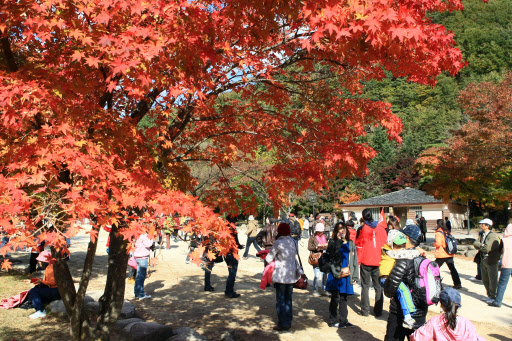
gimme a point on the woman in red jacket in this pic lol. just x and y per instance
(46, 290)
(442, 256)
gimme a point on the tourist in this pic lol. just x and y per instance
(295, 229)
(141, 254)
(423, 228)
(317, 244)
(448, 224)
(370, 239)
(45, 290)
(506, 266)
(342, 255)
(448, 326)
(393, 223)
(442, 256)
(252, 231)
(305, 227)
(267, 236)
(232, 263)
(286, 273)
(489, 247)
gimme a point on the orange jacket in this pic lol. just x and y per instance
(440, 244)
(49, 278)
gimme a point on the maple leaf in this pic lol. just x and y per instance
(6, 265)
(77, 56)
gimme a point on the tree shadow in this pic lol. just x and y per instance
(500, 337)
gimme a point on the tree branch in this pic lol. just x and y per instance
(9, 56)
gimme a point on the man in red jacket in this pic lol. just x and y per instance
(369, 241)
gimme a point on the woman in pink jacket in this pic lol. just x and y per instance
(448, 326)
(141, 254)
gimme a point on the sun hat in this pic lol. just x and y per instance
(412, 231)
(409, 222)
(400, 239)
(44, 257)
(449, 295)
(283, 229)
(319, 227)
(486, 221)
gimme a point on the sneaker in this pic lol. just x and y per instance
(232, 295)
(209, 289)
(494, 304)
(38, 314)
(362, 314)
(457, 287)
(474, 279)
(144, 297)
(335, 325)
(348, 325)
(487, 300)
(316, 294)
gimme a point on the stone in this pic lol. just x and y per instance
(146, 331)
(186, 334)
(471, 253)
(88, 299)
(122, 324)
(58, 309)
(128, 311)
(461, 252)
(231, 335)
(92, 308)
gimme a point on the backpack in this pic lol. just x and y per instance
(427, 280)
(451, 244)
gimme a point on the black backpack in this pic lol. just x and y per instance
(451, 244)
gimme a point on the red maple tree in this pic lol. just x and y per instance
(216, 79)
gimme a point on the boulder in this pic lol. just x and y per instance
(231, 335)
(88, 299)
(92, 308)
(186, 334)
(58, 309)
(146, 331)
(128, 310)
(122, 324)
(471, 253)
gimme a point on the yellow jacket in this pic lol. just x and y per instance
(386, 262)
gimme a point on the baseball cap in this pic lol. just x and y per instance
(400, 239)
(486, 221)
(449, 295)
(412, 231)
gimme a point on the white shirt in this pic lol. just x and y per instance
(287, 270)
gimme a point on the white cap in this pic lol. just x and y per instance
(251, 217)
(319, 227)
(486, 221)
(409, 222)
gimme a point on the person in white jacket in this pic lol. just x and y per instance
(141, 254)
(286, 273)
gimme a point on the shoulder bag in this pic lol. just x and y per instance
(302, 283)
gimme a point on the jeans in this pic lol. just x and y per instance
(338, 303)
(42, 296)
(489, 277)
(371, 273)
(142, 268)
(451, 267)
(478, 271)
(208, 274)
(232, 264)
(284, 304)
(251, 240)
(318, 277)
(502, 285)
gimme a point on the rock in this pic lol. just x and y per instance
(231, 335)
(128, 310)
(471, 253)
(92, 308)
(461, 252)
(58, 309)
(462, 247)
(121, 324)
(146, 331)
(88, 299)
(186, 334)
(466, 241)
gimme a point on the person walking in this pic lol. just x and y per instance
(370, 239)
(506, 266)
(442, 256)
(141, 254)
(286, 273)
(252, 231)
(489, 247)
(342, 255)
(448, 326)
(317, 243)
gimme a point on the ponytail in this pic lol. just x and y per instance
(450, 314)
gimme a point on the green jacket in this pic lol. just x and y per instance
(490, 248)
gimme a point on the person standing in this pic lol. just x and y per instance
(295, 229)
(311, 220)
(442, 256)
(286, 273)
(252, 231)
(317, 243)
(506, 266)
(370, 239)
(305, 229)
(141, 254)
(342, 254)
(448, 224)
(232, 262)
(489, 247)
(423, 228)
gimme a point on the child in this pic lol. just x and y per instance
(448, 326)
(392, 250)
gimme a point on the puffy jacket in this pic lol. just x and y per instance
(440, 244)
(403, 271)
(370, 240)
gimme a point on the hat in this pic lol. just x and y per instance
(486, 221)
(409, 222)
(292, 215)
(44, 256)
(400, 239)
(283, 229)
(449, 295)
(251, 217)
(412, 231)
(319, 227)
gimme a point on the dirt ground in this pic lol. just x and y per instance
(178, 300)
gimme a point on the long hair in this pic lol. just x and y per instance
(337, 228)
(393, 222)
(441, 224)
(450, 314)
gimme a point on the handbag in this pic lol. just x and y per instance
(314, 257)
(345, 272)
(132, 263)
(302, 283)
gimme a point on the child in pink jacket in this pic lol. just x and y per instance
(448, 326)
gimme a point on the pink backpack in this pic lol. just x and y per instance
(427, 280)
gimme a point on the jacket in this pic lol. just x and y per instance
(389, 257)
(252, 228)
(435, 329)
(295, 229)
(49, 278)
(142, 246)
(490, 248)
(370, 240)
(403, 271)
(335, 260)
(283, 252)
(267, 236)
(267, 276)
(440, 244)
(313, 243)
(506, 243)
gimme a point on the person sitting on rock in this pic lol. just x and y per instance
(45, 290)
